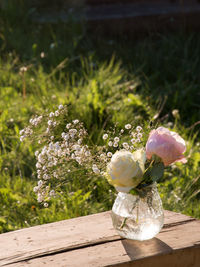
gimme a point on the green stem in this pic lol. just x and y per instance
(137, 218)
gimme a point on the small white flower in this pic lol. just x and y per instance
(38, 165)
(105, 136)
(52, 137)
(22, 138)
(68, 125)
(125, 145)
(95, 169)
(116, 139)
(40, 158)
(50, 122)
(138, 128)
(66, 137)
(40, 183)
(45, 176)
(57, 113)
(110, 143)
(133, 141)
(109, 154)
(87, 153)
(60, 107)
(79, 141)
(78, 159)
(21, 132)
(44, 150)
(51, 114)
(134, 134)
(139, 135)
(23, 69)
(72, 132)
(63, 135)
(175, 112)
(75, 121)
(128, 126)
(42, 54)
(40, 198)
(46, 205)
(115, 144)
(35, 189)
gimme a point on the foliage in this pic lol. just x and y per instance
(102, 80)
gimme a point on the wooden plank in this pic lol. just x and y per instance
(178, 246)
(172, 2)
(128, 11)
(67, 235)
(137, 17)
(120, 11)
(106, 2)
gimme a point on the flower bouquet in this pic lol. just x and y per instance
(130, 166)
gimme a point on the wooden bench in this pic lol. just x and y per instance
(92, 241)
(134, 16)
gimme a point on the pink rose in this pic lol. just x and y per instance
(167, 145)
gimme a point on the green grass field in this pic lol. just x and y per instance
(103, 80)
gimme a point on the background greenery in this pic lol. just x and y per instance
(103, 80)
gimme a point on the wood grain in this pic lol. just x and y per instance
(179, 248)
(62, 241)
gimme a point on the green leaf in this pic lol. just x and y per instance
(133, 192)
(157, 171)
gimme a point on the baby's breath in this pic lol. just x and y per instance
(110, 143)
(63, 144)
(128, 126)
(105, 136)
(138, 128)
(109, 154)
(116, 139)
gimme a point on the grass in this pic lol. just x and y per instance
(103, 80)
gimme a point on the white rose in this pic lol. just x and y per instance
(125, 170)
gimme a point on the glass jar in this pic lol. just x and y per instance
(138, 217)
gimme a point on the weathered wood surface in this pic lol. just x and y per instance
(122, 11)
(138, 17)
(92, 241)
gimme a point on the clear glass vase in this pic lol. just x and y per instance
(138, 217)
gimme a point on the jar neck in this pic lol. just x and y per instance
(144, 190)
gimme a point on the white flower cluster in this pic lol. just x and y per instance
(64, 144)
(115, 143)
(51, 120)
(54, 158)
(28, 131)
